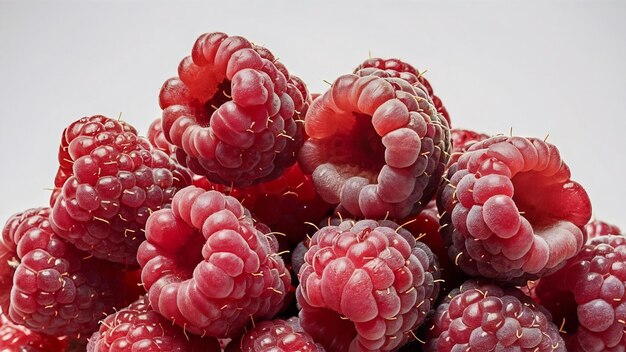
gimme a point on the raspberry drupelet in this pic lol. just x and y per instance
(597, 228)
(588, 296)
(484, 317)
(365, 286)
(139, 328)
(376, 146)
(275, 336)
(461, 140)
(208, 268)
(18, 338)
(117, 180)
(399, 68)
(234, 110)
(55, 290)
(183, 177)
(510, 211)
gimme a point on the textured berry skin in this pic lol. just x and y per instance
(399, 68)
(589, 295)
(139, 328)
(55, 290)
(484, 317)
(234, 110)
(17, 338)
(364, 286)
(275, 336)
(461, 140)
(182, 176)
(510, 210)
(207, 268)
(597, 228)
(376, 146)
(117, 181)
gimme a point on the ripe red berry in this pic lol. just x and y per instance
(208, 268)
(275, 336)
(597, 228)
(182, 176)
(18, 338)
(138, 328)
(510, 210)
(234, 110)
(365, 286)
(484, 317)
(117, 180)
(376, 146)
(461, 140)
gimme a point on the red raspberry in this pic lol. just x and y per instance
(182, 176)
(399, 68)
(376, 146)
(462, 140)
(234, 110)
(588, 296)
(510, 210)
(275, 336)
(597, 228)
(484, 317)
(55, 289)
(117, 181)
(207, 268)
(364, 286)
(139, 328)
(17, 338)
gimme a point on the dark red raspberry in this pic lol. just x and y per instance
(484, 317)
(399, 68)
(139, 328)
(55, 289)
(588, 296)
(275, 336)
(510, 210)
(365, 286)
(182, 176)
(234, 110)
(17, 338)
(597, 228)
(462, 140)
(207, 268)
(118, 180)
(376, 146)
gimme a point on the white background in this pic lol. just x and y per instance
(555, 68)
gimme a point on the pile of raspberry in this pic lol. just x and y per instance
(255, 216)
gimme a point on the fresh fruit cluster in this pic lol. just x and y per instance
(256, 216)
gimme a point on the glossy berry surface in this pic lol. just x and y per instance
(56, 289)
(399, 68)
(510, 210)
(138, 328)
(183, 177)
(17, 338)
(208, 268)
(597, 228)
(234, 110)
(484, 317)
(364, 286)
(588, 296)
(275, 336)
(461, 140)
(376, 147)
(117, 180)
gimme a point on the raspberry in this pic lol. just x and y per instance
(589, 296)
(462, 140)
(364, 286)
(484, 317)
(55, 290)
(376, 146)
(597, 228)
(275, 336)
(117, 181)
(510, 210)
(139, 328)
(17, 338)
(234, 110)
(207, 268)
(399, 68)
(182, 176)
